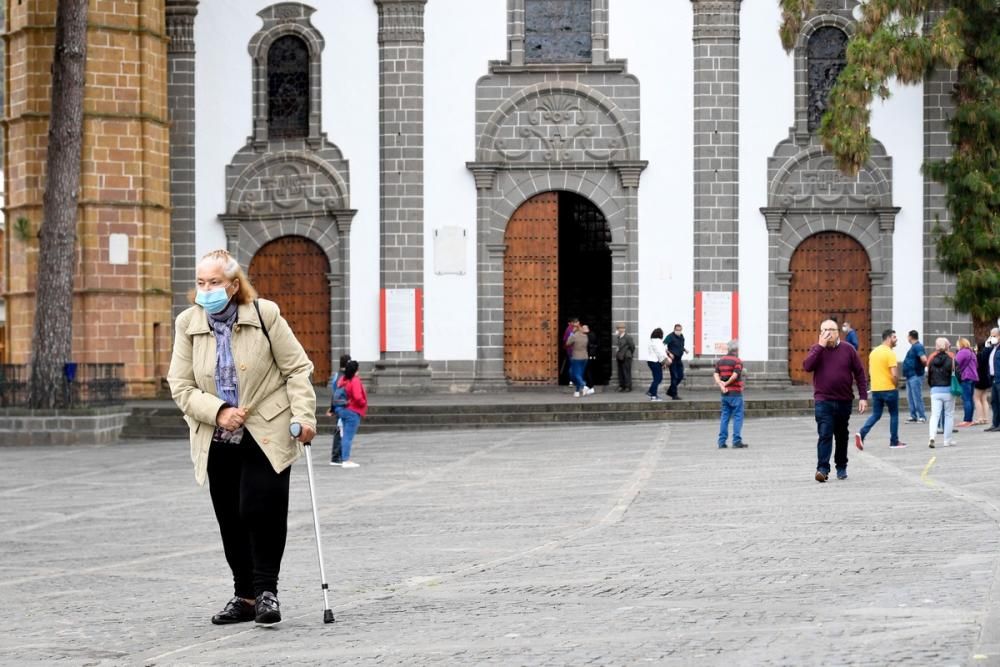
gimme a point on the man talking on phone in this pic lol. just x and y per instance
(836, 368)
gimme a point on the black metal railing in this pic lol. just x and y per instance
(83, 385)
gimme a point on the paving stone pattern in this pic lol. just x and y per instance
(605, 545)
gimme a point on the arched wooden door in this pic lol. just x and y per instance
(830, 279)
(291, 271)
(531, 292)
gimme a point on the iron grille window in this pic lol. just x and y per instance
(288, 88)
(827, 54)
(557, 31)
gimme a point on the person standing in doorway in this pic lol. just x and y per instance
(675, 346)
(352, 413)
(882, 369)
(728, 377)
(850, 335)
(593, 348)
(572, 324)
(913, 372)
(657, 357)
(577, 346)
(624, 352)
(968, 374)
(836, 368)
(338, 399)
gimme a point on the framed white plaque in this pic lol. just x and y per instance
(716, 321)
(401, 326)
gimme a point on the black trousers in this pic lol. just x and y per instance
(251, 506)
(625, 374)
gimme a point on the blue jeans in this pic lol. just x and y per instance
(915, 396)
(576, 368)
(351, 421)
(942, 409)
(676, 375)
(880, 401)
(967, 405)
(732, 407)
(995, 404)
(657, 370)
(832, 419)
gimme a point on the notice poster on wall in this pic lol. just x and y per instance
(401, 322)
(716, 321)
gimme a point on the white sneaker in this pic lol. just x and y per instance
(350, 464)
(576, 394)
(950, 443)
(335, 463)
(588, 391)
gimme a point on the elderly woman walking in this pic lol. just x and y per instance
(940, 368)
(241, 378)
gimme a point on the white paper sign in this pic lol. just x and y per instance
(716, 322)
(400, 320)
(449, 251)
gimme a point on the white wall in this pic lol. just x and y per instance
(460, 38)
(224, 120)
(898, 124)
(767, 111)
(655, 38)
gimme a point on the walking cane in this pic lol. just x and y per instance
(296, 430)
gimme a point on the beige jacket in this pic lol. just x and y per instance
(273, 395)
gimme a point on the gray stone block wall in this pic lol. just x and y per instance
(940, 319)
(401, 174)
(716, 144)
(180, 17)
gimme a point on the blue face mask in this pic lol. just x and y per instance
(213, 301)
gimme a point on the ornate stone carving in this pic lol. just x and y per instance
(817, 183)
(285, 187)
(180, 16)
(557, 128)
(716, 19)
(400, 20)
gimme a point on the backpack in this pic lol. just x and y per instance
(339, 392)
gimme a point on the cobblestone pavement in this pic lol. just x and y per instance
(609, 545)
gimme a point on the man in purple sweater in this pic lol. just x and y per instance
(836, 367)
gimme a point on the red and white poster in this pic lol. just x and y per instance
(402, 326)
(716, 321)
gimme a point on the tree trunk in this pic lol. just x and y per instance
(53, 334)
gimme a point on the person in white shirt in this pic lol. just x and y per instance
(657, 356)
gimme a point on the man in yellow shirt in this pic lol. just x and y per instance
(884, 375)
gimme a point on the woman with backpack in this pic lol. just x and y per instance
(940, 369)
(352, 411)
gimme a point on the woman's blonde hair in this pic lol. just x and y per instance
(232, 270)
(964, 342)
(942, 343)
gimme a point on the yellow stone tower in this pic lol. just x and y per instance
(121, 305)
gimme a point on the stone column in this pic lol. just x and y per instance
(401, 170)
(940, 319)
(180, 15)
(716, 144)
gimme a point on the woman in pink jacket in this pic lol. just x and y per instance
(351, 414)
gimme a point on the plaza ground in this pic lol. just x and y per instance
(567, 545)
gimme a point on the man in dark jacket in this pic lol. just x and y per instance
(675, 346)
(836, 367)
(624, 352)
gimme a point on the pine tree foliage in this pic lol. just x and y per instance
(892, 41)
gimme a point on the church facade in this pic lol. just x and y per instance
(435, 186)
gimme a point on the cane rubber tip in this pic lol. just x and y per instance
(328, 616)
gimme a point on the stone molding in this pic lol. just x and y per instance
(400, 21)
(180, 15)
(716, 20)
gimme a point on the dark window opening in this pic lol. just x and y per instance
(557, 31)
(288, 88)
(827, 55)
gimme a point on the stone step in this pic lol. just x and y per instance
(160, 422)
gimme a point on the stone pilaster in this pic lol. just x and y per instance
(940, 319)
(180, 15)
(401, 170)
(716, 144)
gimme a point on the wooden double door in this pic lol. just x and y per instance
(557, 265)
(292, 272)
(830, 280)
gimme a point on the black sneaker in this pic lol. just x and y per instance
(267, 608)
(237, 610)
(740, 445)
